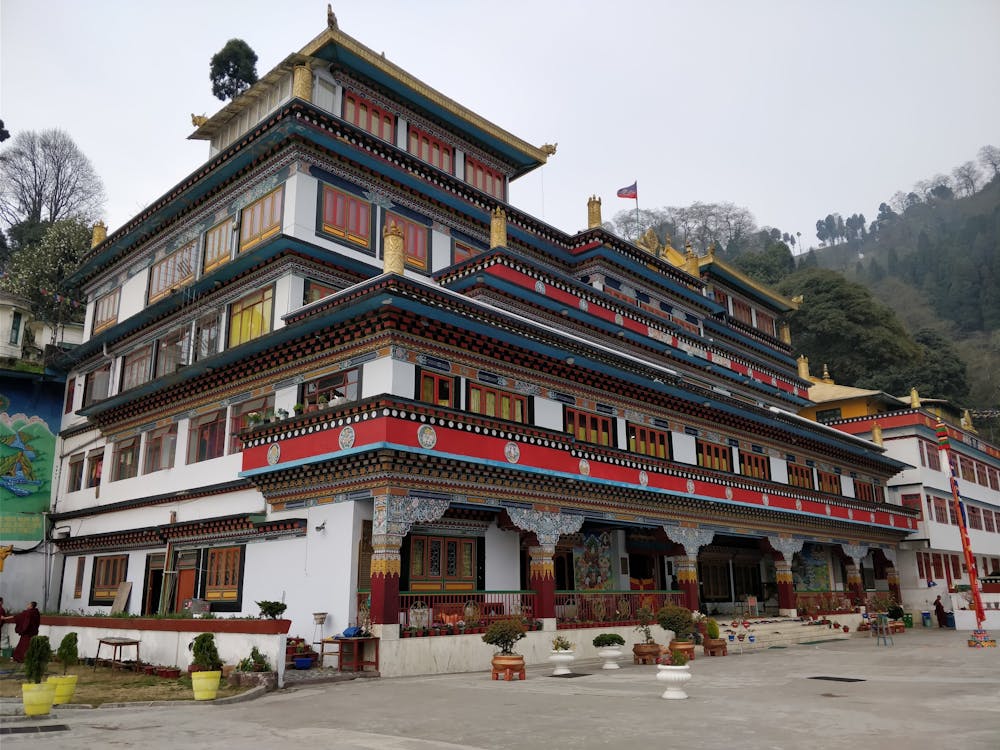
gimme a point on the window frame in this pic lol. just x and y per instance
(106, 311)
(829, 482)
(175, 270)
(15, 328)
(358, 102)
(756, 465)
(800, 475)
(243, 318)
(238, 420)
(218, 245)
(423, 138)
(137, 368)
(479, 393)
(109, 572)
(437, 379)
(345, 382)
(350, 229)
(214, 425)
(589, 427)
(157, 439)
(416, 239)
(220, 562)
(864, 491)
(480, 176)
(179, 337)
(74, 481)
(125, 454)
(648, 441)
(94, 468)
(199, 342)
(715, 456)
(256, 227)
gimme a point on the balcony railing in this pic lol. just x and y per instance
(457, 612)
(593, 608)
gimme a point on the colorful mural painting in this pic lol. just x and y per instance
(592, 563)
(811, 571)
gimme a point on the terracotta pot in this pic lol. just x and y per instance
(686, 646)
(645, 653)
(508, 665)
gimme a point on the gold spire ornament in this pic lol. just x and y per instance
(393, 255)
(593, 212)
(498, 228)
(198, 120)
(100, 233)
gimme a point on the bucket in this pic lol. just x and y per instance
(925, 618)
(65, 686)
(37, 697)
(205, 684)
(950, 619)
(908, 619)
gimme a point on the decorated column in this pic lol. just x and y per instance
(692, 539)
(786, 547)
(547, 527)
(892, 575)
(855, 553)
(391, 521)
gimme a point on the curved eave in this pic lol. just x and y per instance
(739, 280)
(583, 241)
(722, 330)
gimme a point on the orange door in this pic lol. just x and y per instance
(185, 587)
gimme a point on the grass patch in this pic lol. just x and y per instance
(100, 686)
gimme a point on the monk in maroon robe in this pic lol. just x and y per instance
(26, 625)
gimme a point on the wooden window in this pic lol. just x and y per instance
(765, 323)
(95, 385)
(207, 436)
(712, 455)
(207, 333)
(125, 459)
(489, 180)
(829, 482)
(338, 388)
(369, 116)
(915, 502)
(800, 476)
(431, 150)
(15, 328)
(218, 242)
(722, 298)
(757, 465)
(864, 491)
(173, 351)
(315, 290)
(439, 562)
(81, 563)
(95, 467)
(250, 317)
(879, 493)
(496, 402)
(938, 565)
(437, 389)
(75, 481)
(956, 566)
(588, 427)
(239, 420)
(106, 311)
(929, 455)
(994, 479)
(261, 219)
(827, 415)
(70, 395)
(174, 271)
(742, 311)
(161, 447)
(222, 575)
(940, 510)
(108, 573)
(365, 550)
(975, 516)
(136, 367)
(920, 566)
(463, 251)
(968, 468)
(414, 239)
(981, 474)
(346, 216)
(988, 517)
(649, 442)
(952, 513)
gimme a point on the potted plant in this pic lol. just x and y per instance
(205, 657)
(503, 634)
(647, 650)
(36, 695)
(562, 655)
(298, 409)
(272, 610)
(673, 670)
(68, 656)
(713, 645)
(282, 413)
(678, 619)
(323, 400)
(255, 669)
(608, 645)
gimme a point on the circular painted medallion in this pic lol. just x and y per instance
(643, 478)
(585, 467)
(512, 452)
(346, 438)
(690, 485)
(619, 319)
(850, 513)
(873, 517)
(540, 287)
(583, 305)
(828, 511)
(765, 499)
(427, 437)
(798, 504)
(729, 493)
(273, 454)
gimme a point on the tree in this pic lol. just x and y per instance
(769, 266)
(233, 69)
(966, 178)
(989, 157)
(45, 177)
(4, 133)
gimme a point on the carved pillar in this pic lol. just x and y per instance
(391, 521)
(393, 250)
(786, 547)
(892, 575)
(547, 527)
(855, 553)
(692, 539)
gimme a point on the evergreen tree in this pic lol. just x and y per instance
(233, 69)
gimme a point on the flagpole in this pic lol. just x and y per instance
(636, 183)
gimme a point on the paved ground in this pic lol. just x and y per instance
(928, 691)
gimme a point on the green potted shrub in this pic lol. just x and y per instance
(37, 696)
(608, 649)
(562, 655)
(714, 645)
(646, 651)
(678, 619)
(68, 655)
(503, 634)
(207, 667)
(272, 610)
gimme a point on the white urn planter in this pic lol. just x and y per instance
(610, 655)
(674, 678)
(562, 660)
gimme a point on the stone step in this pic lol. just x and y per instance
(772, 632)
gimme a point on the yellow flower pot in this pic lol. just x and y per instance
(65, 687)
(205, 684)
(37, 697)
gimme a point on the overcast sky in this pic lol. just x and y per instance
(793, 109)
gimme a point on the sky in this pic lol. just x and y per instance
(791, 108)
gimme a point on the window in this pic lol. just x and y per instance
(347, 216)
(956, 567)
(757, 465)
(78, 584)
(588, 428)
(75, 473)
(250, 317)
(975, 516)
(15, 328)
(994, 479)
(217, 242)
(108, 573)
(649, 442)
(125, 459)
(106, 311)
(207, 332)
(981, 474)
(174, 271)
(437, 389)
(161, 445)
(496, 402)
(712, 455)
(207, 436)
(765, 323)
(462, 251)
(173, 351)
(862, 490)
(95, 385)
(338, 388)
(70, 395)
(136, 367)
(940, 510)
(414, 239)
(829, 482)
(430, 149)
(260, 220)
(742, 311)
(368, 116)
(827, 415)
(449, 562)
(952, 513)
(222, 577)
(968, 468)
(490, 181)
(988, 524)
(800, 476)
(239, 421)
(95, 467)
(929, 455)
(314, 290)
(915, 502)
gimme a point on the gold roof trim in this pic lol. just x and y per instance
(707, 260)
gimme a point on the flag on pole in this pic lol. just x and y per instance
(632, 191)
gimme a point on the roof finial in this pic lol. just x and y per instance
(826, 374)
(331, 18)
(914, 399)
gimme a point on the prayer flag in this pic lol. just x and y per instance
(631, 191)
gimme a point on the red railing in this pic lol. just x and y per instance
(454, 613)
(591, 608)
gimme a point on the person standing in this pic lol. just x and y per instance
(939, 613)
(26, 625)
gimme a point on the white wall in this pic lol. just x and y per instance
(779, 470)
(503, 549)
(685, 450)
(549, 414)
(387, 375)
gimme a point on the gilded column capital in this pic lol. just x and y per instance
(394, 516)
(547, 527)
(787, 546)
(692, 539)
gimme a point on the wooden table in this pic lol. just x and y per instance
(117, 644)
(351, 656)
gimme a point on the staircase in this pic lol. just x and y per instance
(782, 632)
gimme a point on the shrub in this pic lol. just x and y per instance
(504, 634)
(605, 640)
(272, 610)
(676, 618)
(68, 653)
(561, 644)
(36, 660)
(256, 662)
(645, 617)
(204, 653)
(675, 658)
(895, 612)
(711, 628)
